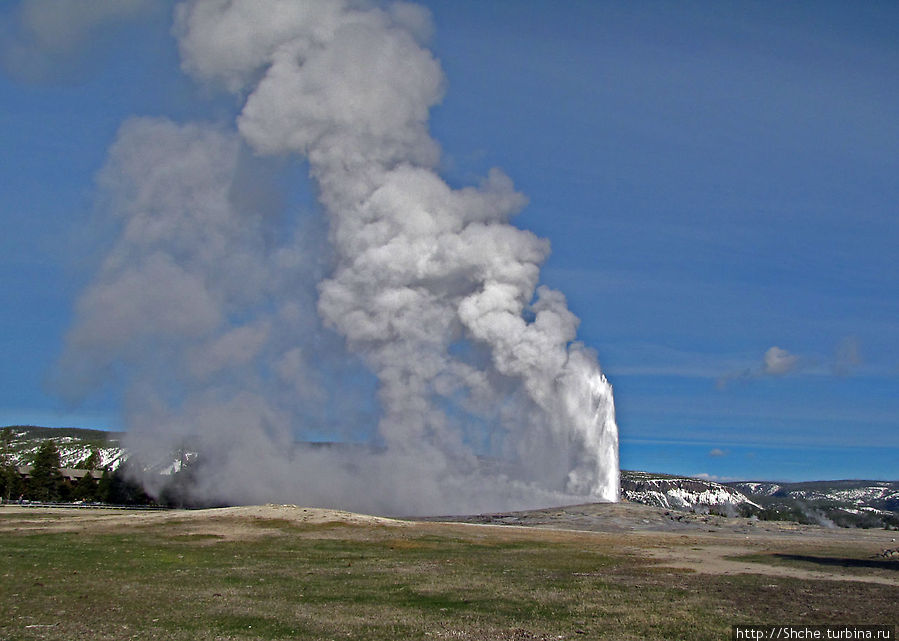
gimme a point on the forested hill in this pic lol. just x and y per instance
(29, 432)
(20, 443)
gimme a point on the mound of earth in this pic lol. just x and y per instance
(293, 514)
(242, 522)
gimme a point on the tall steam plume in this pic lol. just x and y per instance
(231, 325)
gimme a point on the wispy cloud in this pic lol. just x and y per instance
(777, 361)
(656, 359)
(847, 357)
(717, 452)
(705, 476)
(48, 40)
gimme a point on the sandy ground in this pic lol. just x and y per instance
(701, 543)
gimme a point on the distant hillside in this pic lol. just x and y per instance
(846, 503)
(681, 493)
(82, 433)
(75, 445)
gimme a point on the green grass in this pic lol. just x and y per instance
(175, 581)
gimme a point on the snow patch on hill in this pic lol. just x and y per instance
(680, 493)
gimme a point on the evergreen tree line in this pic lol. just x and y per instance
(46, 482)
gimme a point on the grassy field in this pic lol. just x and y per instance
(236, 577)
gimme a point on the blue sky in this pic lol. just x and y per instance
(717, 180)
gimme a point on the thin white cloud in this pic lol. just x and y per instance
(705, 476)
(776, 362)
(717, 452)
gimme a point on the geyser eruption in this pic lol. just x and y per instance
(203, 303)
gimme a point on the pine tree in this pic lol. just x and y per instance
(6, 439)
(86, 488)
(104, 486)
(46, 479)
(92, 462)
(11, 486)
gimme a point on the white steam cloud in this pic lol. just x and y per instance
(231, 326)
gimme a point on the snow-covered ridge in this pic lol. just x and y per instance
(73, 455)
(75, 446)
(844, 503)
(682, 493)
(20, 444)
(860, 494)
(757, 488)
(882, 495)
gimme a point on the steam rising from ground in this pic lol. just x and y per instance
(231, 323)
